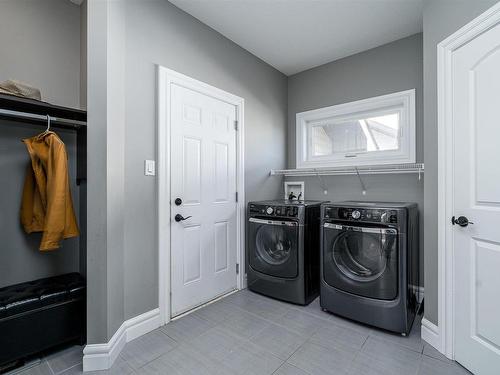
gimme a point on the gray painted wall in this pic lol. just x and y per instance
(441, 19)
(115, 159)
(41, 46)
(40, 43)
(97, 223)
(393, 67)
(160, 33)
(83, 55)
(106, 172)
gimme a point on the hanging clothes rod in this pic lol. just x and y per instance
(68, 123)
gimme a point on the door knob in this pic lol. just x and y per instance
(178, 201)
(179, 217)
(461, 220)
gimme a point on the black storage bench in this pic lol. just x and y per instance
(40, 314)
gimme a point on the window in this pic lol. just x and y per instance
(378, 130)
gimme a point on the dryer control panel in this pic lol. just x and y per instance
(290, 211)
(361, 214)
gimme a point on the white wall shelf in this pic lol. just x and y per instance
(365, 169)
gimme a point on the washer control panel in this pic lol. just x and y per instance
(361, 214)
(290, 211)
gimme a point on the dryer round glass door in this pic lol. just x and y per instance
(274, 247)
(360, 256)
(361, 260)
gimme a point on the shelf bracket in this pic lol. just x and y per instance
(322, 183)
(363, 187)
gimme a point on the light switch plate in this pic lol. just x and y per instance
(149, 168)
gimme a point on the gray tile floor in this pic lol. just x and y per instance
(246, 333)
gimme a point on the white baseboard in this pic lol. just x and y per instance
(430, 334)
(102, 356)
(98, 357)
(142, 324)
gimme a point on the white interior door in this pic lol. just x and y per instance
(476, 173)
(203, 176)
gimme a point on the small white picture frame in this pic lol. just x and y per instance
(295, 187)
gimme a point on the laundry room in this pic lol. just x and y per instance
(249, 187)
(390, 68)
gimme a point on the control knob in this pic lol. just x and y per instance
(356, 214)
(269, 210)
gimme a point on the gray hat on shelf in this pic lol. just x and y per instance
(17, 88)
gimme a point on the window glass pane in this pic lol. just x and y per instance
(369, 134)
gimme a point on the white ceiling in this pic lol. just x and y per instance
(295, 35)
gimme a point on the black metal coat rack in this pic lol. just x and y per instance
(34, 112)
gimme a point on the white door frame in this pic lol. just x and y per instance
(166, 78)
(444, 341)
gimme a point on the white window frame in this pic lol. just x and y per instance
(403, 102)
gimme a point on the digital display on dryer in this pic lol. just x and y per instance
(361, 214)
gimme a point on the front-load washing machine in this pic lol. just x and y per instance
(369, 263)
(283, 249)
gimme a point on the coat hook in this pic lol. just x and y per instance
(48, 123)
(419, 173)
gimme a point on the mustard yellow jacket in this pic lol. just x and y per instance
(47, 205)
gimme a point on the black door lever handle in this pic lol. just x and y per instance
(461, 220)
(179, 217)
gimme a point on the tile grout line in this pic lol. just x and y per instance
(69, 368)
(358, 352)
(291, 355)
(50, 367)
(289, 364)
(161, 355)
(256, 315)
(120, 355)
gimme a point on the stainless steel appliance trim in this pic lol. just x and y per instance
(360, 229)
(274, 222)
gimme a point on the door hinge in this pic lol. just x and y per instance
(237, 268)
(236, 125)
(236, 196)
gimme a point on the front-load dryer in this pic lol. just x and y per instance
(283, 249)
(369, 263)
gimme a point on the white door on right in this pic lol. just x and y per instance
(476, 160)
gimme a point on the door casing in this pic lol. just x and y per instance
(444, 335)
(165, 79)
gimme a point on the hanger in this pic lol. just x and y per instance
(46, 130)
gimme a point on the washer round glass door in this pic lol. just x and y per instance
(274, 247)
(361, 260)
